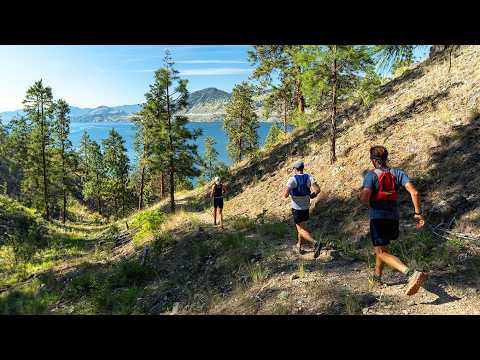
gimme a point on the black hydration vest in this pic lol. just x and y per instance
(217, 192)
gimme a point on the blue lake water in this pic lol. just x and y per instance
(99, 131)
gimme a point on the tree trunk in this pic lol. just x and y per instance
(239, 150)
(333, 156)
(172, 179)
(124, 190)
(450, 57)
(162, 185)
(44, 164)
(99, 205)
(300, 99)
(172, 188)
(140, 201)
(302, 103)
(285, 115)
(64, 214)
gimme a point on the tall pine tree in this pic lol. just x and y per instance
(39, 106)
(62, 130)
(210, 158)
(277, 62)
(173, 151)
(241, 122)
(115, 160)
(332, 74)
(95, 182)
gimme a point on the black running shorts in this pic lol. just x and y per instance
(383, 230)
(300, 216)
(218, 203)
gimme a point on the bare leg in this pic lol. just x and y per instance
(378, 264)
(214, 216)
(383, 257)
(303, 233)
(221, 217)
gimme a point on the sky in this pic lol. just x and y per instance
(95, 75)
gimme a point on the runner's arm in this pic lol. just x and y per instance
(416, 203)
(315, 188)
(364, 195)
(286, 192)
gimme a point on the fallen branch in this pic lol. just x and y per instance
(460, 235)
(144, 255)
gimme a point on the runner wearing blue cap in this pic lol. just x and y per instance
(299, 188)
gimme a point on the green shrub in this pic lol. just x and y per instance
(232, 240)
(299, 119)
(222, 170)
(416, 250)
(258, 273)
(118, 301)
(112, 290)
(22, 228)
(243, 223)
(129, 273)
(162, 241)
(30, 299)
(275, 136)
(279, 229)
(148, 219)
(147, 222)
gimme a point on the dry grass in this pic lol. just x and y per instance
(410, 141)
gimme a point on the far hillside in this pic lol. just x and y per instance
(203, 105)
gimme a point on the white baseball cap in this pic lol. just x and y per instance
(217, 179)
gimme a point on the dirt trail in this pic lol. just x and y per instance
(337, 284)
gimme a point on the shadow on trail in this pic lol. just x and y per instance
(438, 290)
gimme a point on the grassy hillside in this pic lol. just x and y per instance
(158, 263)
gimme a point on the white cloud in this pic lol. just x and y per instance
(214, 71)
(211, 62)
(144, 70)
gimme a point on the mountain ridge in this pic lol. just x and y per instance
(204, 105)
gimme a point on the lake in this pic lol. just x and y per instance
(99, 131)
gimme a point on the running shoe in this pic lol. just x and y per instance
(414, 283)
(317, 248)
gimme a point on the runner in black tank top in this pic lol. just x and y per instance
(217, 191)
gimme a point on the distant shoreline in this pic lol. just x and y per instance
(131, 122)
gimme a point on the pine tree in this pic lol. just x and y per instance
(62, 130)
(116, 164)
(280, 101)
(279, 61)
(144, 143)
(332, 73)
(4, 162)
(39, 106)
(241, 122)
(274, 136)
(95, 181)
(16, 151)
(173, 151)
(85, 142)
(210, 158)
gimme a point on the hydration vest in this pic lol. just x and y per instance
(386, 186)
(218, 191)
(302, 188)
